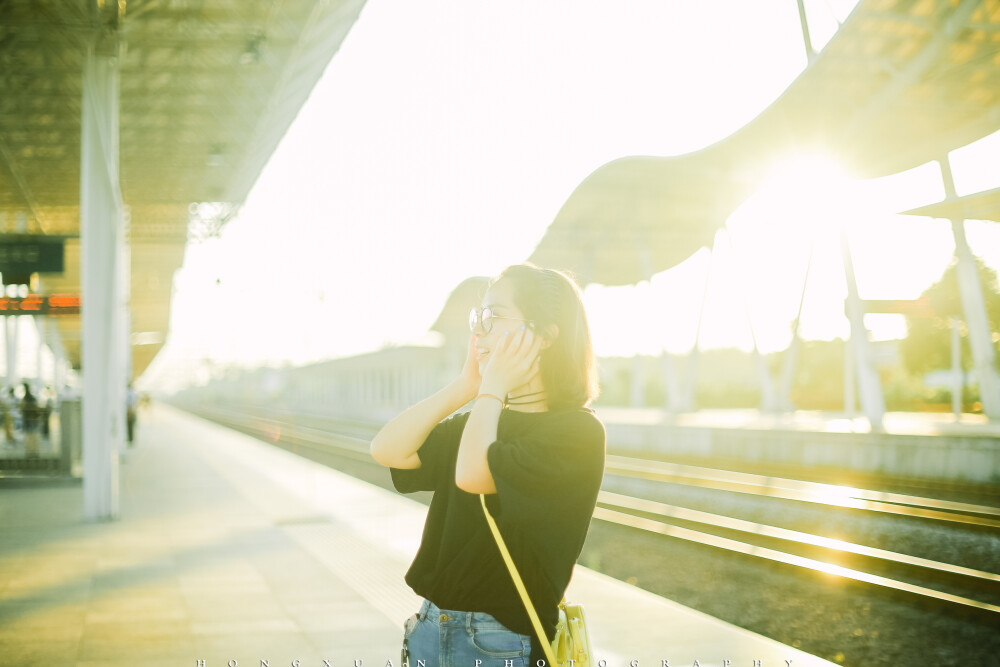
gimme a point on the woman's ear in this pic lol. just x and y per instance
(549, 335)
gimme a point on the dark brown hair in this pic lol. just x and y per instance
(547, 297)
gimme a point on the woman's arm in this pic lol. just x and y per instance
(512, 364)
(472, 472)
(396, 445)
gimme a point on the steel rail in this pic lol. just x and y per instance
(720, 521)
(812, 492)
(654, 526)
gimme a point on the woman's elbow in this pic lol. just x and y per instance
(378, 451)
(384, 456)
(475, 484)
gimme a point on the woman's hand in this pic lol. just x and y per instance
(470, 378)
(396, 444)
(513, 362)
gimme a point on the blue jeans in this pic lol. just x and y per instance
(445, 638)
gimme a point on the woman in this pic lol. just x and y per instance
(531, 445)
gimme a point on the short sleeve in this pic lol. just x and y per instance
(437, 458)
(548, 479)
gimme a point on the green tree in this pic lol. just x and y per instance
(927, 346)
(819, 376)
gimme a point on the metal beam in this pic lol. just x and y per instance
(807, 41)
(943, 36)
(22, 185)
(869, 385)
(974, 307)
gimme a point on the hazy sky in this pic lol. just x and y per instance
(444, 137)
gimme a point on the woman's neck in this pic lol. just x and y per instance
(530, 397)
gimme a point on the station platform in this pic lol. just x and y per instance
(839, 448)
(814, 421)
(231, 552)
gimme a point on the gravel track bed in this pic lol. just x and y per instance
(841, 621)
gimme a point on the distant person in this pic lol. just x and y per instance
(46, 413)
(31, 419)
(7, 403)
(131, 407)
(531, 444)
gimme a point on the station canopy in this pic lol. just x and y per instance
(453, 320)
(207, 89)
(901, 83)
(983, 205)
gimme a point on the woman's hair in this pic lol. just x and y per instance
(547, 297)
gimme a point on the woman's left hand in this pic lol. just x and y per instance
(513, 363)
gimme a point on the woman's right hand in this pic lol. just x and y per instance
(470, 377)
(396, 444)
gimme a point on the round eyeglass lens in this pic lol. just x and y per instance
(480, 318)
(486, 319)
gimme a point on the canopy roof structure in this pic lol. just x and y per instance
(453, 320)
(207, 90)
(901, 83)
(983, 205)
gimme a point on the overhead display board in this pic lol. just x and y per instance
(20, 256)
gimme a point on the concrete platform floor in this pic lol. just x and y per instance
(195, 569)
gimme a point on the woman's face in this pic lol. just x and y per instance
(506, 318)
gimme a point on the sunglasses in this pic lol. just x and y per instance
(481, 320)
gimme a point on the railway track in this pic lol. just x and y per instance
(973, 590)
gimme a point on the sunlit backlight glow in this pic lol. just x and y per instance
(806, 189)
(841, 496)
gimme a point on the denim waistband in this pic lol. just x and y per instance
(449, 617)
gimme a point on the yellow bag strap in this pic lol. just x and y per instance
(519, 584)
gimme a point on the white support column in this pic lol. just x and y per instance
(11, 323)
(691, 374)
(58, 374)
(806, 39)
(6, 347)
(974, 308)
(790, 361)
(40, 326)
(125, 278)
(123, 334)
(101, 230)
(789, 364)
(668, 371)
(637, 393)
(768, 402)
(957, 374)
(671, 381)
(850, 393)
(644, 289)
(869, 385)
(979, 325)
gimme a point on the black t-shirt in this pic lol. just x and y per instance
(547, 467)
